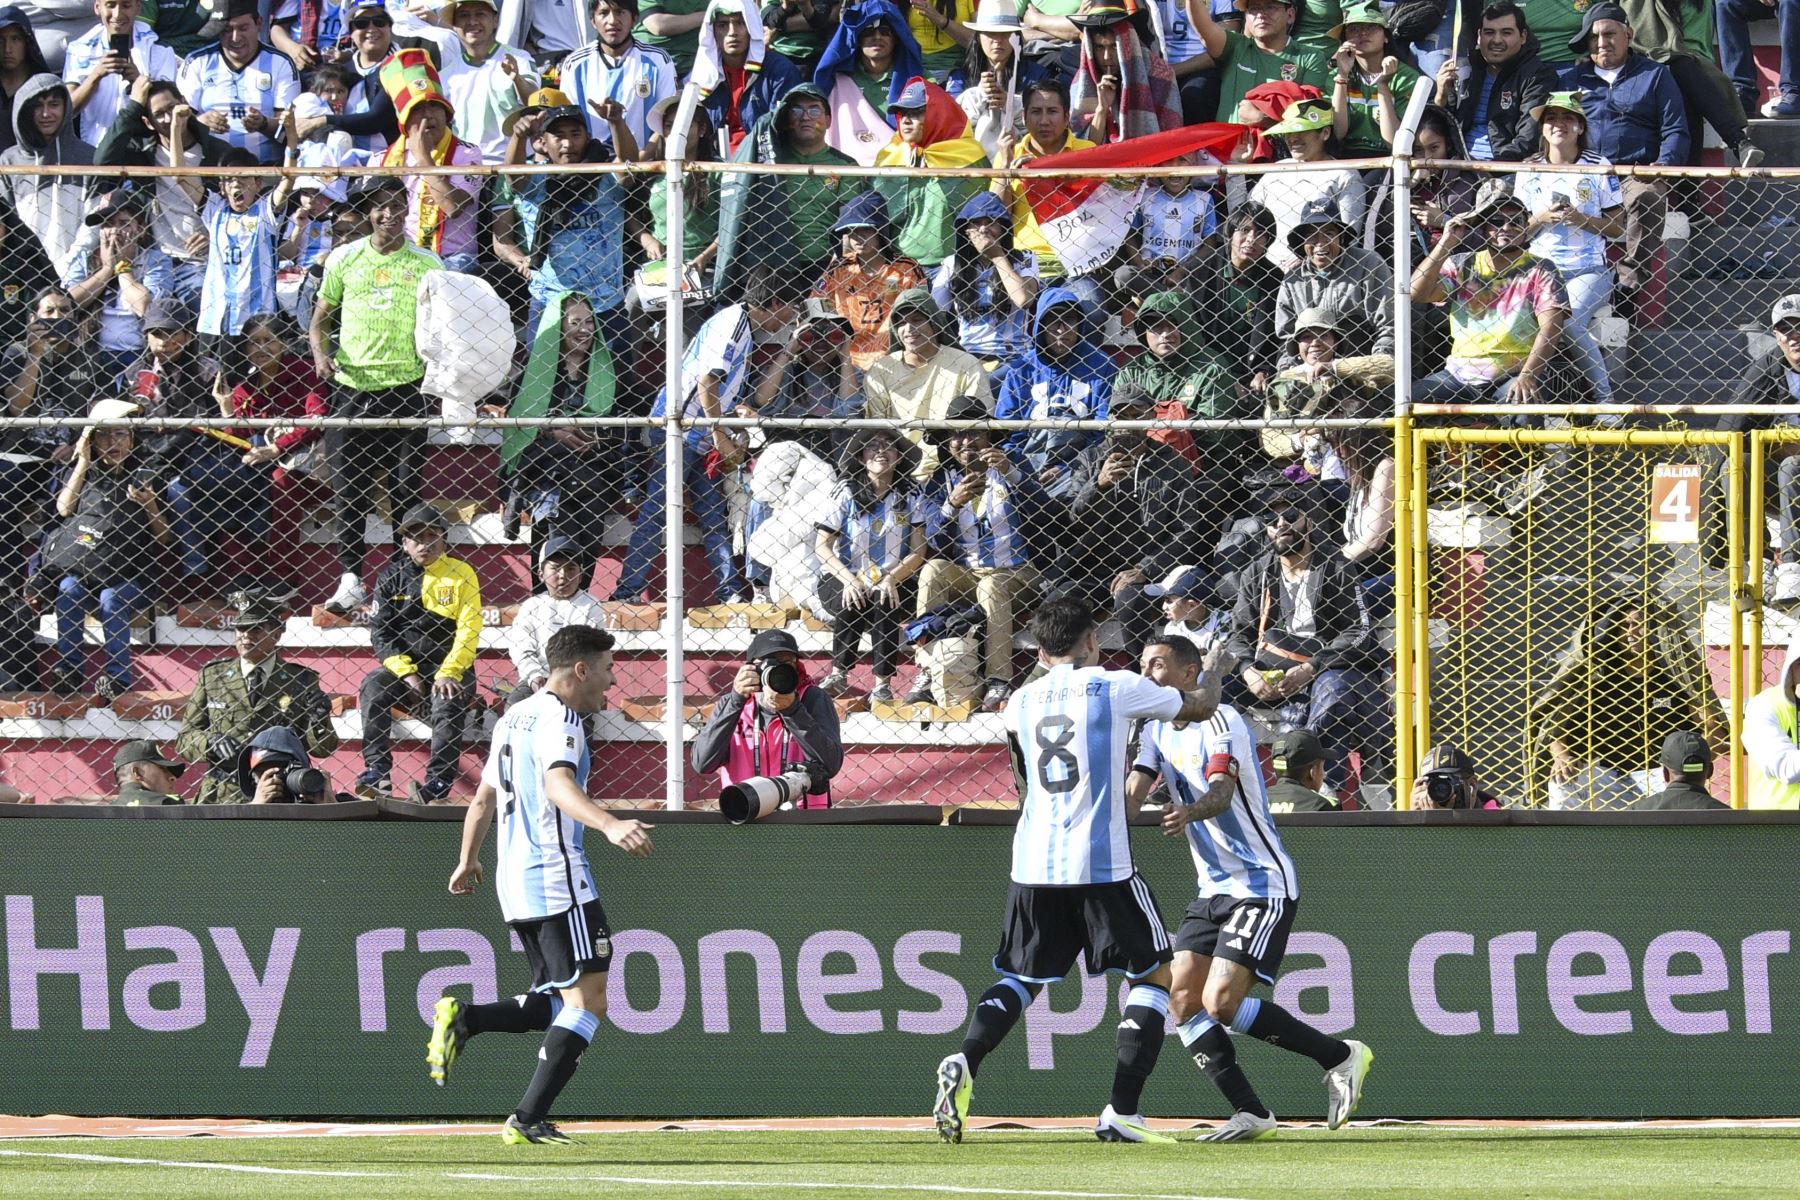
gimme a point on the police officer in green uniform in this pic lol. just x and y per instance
(1299, 761)
(144, 776)
(238, 697)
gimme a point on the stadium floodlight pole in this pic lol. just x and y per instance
(674, 278)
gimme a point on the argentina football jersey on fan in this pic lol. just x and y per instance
(541, 868)
(1237, 853)
(1070, 731)
(267, 84)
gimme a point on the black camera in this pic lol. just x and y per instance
(297, 782)
(780, 678)
(1447, 789)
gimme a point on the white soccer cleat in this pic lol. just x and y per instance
(1243, 1127)
(349, 596)
(1120, 1127)
(1344, 1084)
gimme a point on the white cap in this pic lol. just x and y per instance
(1786, 309)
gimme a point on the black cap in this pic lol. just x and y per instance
(771, 641)
(145, 751)
(123, 198)
(1295, 749)
(1594, 15)
(422, 515)
(165, 313)
(370, 187)
(1447, 756)
(1686, 753)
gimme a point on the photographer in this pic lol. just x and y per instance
(275, 769)
(1447, 780)
(771, 720)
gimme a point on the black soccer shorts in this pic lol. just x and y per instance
(1251, 932)
(1116, 924)
(563, 948)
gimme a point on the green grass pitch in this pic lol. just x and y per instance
(1439, 1163)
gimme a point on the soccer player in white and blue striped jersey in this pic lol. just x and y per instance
(1075, 889)
(1236, 931)
(537, 775)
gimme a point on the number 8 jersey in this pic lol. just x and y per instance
(541, 870)
(1069, 732)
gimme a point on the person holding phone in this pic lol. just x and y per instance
(1572, 217)
(103, 63)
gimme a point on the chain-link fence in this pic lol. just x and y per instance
(910, 405)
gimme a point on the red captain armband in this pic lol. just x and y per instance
(1221, 764)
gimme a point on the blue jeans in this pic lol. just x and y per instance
(215, 493)
(706, 502)
(116, 603)
(1733, 18)
(1587, 292)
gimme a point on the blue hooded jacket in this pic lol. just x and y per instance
(839, 55)
(1078, 388)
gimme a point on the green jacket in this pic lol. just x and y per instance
(1195, 374)
(221, 705)
(136, 795)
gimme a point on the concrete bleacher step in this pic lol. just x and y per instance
(1726, 304)
(1689, 353)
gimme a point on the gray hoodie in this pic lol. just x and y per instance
(52, 206)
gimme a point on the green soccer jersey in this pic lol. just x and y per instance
(681, 46)
(1363, 139)
(376, 296)
(1245, 64)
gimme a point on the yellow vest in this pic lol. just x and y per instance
(1765, 791)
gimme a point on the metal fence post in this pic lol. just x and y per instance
(674, 500)
(1410, 641)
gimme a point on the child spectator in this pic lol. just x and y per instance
(52, 207)
(560, 604)
(239, 87)
(871, 546)
(108, 516)
(1175, 223)
(119, 276)
(988, 285)
(1185, 595)
(865, 277)
(324, 147)
(242, 228)
(98, 76)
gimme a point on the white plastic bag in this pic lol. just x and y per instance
(465, 335)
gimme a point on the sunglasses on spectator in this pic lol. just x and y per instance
(371, 23)
(1283, 516)
(1508, 216)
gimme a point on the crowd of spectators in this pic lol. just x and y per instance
(904, 296)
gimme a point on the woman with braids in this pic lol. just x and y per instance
(990, 286)
(1632, 674)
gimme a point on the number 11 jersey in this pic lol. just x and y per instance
(1069, 732)
(541, 870)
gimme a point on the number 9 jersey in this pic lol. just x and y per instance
(541, 869)
(1069, 733)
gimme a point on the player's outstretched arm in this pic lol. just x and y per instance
(633, 837)
(475, 828)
